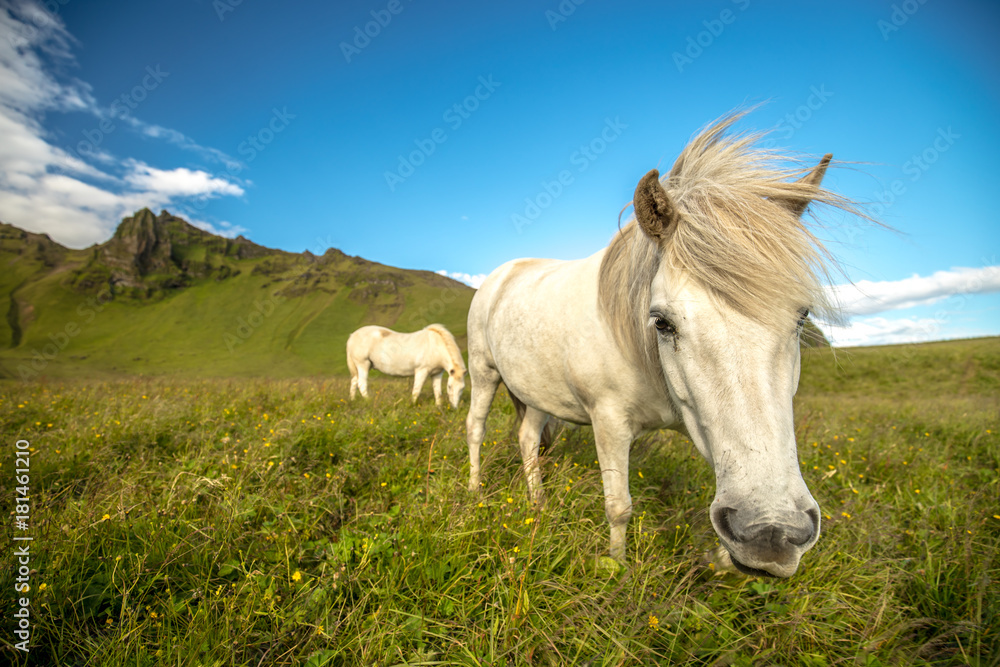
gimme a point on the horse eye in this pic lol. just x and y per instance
(803, 314)
(664, 326)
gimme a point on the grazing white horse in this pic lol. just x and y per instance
(430, 351)
(689, 319)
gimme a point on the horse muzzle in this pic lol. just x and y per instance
(766, 545)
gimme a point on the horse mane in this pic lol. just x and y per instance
(449, 343)
(736, 236)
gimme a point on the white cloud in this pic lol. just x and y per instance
(866, 297)
(882, 331)
(29, 31)
(178, 182)
(470, 280)
(44, 188)
(183, 141)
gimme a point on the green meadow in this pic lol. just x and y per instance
(188, 522)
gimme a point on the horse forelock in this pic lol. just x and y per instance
(734, 237)
(454, 353)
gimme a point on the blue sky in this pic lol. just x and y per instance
(436, 140)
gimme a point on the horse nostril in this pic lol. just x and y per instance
(813, 515)
(723, 523)
(799, 535)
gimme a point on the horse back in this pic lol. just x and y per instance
(536, 322)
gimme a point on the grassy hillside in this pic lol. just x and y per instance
(929, 371)
(272, 522)
(162, 297)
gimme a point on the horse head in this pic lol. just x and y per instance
(456, 383)
(727, 343)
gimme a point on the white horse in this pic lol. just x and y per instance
(430, 351)
(689, 319)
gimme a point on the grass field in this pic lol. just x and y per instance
(255, 522)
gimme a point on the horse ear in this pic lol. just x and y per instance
(798, 205)
(653, 209)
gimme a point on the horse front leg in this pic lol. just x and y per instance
(614, 439)
(418, 382)
(436, 385)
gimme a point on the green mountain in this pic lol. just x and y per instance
(164, 297)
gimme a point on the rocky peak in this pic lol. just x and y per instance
(140, 241)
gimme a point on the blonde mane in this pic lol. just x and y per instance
(736, 236)
(449, 342)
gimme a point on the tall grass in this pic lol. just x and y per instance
(276, 523)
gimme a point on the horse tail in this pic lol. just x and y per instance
(352, 365)
(548, 433)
